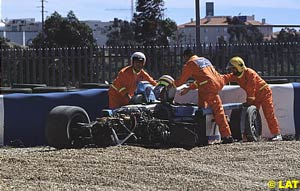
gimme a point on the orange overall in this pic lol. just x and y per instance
(209, 82)
(124, 86)
(258, 94)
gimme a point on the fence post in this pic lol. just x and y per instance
(91, 66)
(66, 67)
(46, 66)
(21, 68)
(97, 63)
(40, 65)
(103, 64)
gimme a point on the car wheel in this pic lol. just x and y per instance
(62, 126)
(253, 124)
(235, 124)
(246, 121)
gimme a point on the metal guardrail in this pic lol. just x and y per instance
(74, 66)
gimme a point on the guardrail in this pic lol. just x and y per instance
(74, 66)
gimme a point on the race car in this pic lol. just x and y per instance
(151, 119)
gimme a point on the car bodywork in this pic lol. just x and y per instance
(148, 122)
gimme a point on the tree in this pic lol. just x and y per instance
(64, 32)
(221, 40)
(4, 43)
(288, 35)
(241, 33)
(121, 33)
(150, 27)
(147, 28)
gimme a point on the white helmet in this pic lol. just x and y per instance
(166, 80)
(138, 56)
(165, 89)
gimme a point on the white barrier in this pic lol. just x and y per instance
(283, 99)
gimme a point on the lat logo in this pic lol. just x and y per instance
(288, 184)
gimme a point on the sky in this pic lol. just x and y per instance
(276, 12)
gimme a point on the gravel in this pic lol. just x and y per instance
(238, 166)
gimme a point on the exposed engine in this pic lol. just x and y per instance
(133, 124)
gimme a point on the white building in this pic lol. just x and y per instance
(23, 31)
(20, 31)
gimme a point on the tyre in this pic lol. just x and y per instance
(247, 122)
(253, 124)
(49, 89)
(277, 81)
(15, 90)
(235, 124)
(94, 85)
(28, 85)
(62, 127)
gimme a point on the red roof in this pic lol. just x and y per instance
(216, 20)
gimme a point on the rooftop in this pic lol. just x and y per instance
(221, 21)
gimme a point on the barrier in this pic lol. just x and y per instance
(1, 120)
(297, 108)
(23, 116)
(286, 100)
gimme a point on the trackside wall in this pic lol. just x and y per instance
(286, 99)
(23, 116)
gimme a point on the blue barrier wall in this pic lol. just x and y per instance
(297, 107)
(25, 114)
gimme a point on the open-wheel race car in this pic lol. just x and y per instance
(151, 119)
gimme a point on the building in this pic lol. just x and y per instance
(99, 30)
(20, 31)
(20, 25)
(213, 27)
(23, 31)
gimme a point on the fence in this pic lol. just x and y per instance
(74, 66)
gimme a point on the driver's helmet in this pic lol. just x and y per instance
(165, 89)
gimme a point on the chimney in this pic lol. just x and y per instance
(263, 20)
(192, 20)
(209, 9)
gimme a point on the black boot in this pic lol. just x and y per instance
(227, 140)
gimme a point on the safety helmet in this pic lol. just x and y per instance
(138, 56)
(165, 89)
(166, 80)
(238, 63)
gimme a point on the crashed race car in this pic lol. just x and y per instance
(151, 119)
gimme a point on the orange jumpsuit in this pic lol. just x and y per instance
(258, 94)
(125, 84)
(209, 82)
